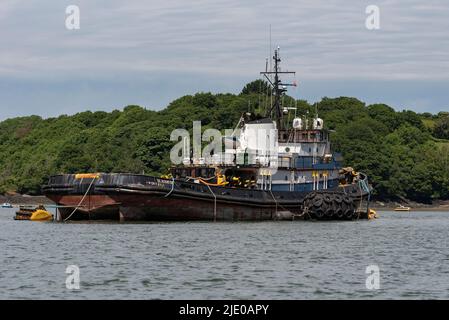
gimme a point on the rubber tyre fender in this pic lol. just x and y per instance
(347, 199)
(328, 198)
(350, 213)
(339, 213)
(338, 198)
(329, 213)
(311, 195)
(317, 201)
(318, 213)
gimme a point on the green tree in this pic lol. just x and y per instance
(258, 87)
(441, 129)
(395, 149)
(154, 150)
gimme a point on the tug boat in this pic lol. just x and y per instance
(274, 167)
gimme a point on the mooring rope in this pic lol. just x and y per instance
(215, 202)
(275, 201)
(79, 204)
(363, 186)
(172, 188)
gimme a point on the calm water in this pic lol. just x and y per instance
(272, 260)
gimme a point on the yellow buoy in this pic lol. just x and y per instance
(372, 214)
(41, 215)
(87, 176)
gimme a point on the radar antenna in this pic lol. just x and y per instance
(278, 88)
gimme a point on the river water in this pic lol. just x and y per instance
(264, 260)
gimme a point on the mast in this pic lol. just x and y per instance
(278, 89)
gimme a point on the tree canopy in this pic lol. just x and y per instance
(404, 153)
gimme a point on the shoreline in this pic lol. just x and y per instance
(19, 199)
(430, 209)
(414, 206)
(25, 200)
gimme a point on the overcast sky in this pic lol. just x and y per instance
(151, 52)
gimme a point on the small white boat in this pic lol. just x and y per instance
(6, 205)
(402, 208)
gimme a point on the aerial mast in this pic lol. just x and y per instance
(278, 88)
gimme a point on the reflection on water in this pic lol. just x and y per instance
(264, 260)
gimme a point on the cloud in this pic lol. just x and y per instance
(222, 39)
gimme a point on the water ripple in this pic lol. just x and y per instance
(272, 260)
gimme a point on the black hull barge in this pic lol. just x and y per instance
(129, 197)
